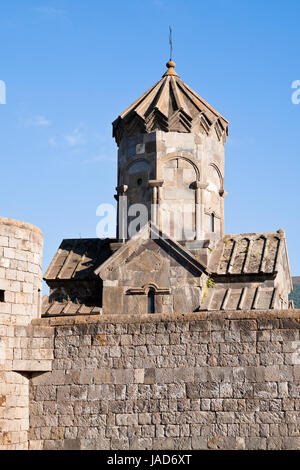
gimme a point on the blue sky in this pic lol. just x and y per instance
(71, 67)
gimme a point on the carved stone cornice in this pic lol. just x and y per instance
(170, 106)
(144, 290)
(223, 193)
(121, 189)
(199, 185)
(156, 183)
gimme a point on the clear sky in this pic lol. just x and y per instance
(71, 66)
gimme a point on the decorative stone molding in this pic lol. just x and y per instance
(156, 183)
(200, 185)
(170, 106)
(122, 189)
(184, 156)
(132, 161)
(145, 289)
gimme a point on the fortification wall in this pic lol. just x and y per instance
(214, 380)
(21, 247)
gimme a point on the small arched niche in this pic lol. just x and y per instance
(179, 203)
(136, 176)
(214, 179)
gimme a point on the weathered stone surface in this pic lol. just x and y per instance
(173, 396)
(211, 380)
(171, 174)
(23, 349)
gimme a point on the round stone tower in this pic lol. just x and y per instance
(21, 247)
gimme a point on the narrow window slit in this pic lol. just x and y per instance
(151, 301)
(212, 222)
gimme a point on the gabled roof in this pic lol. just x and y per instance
(150, 231)
(248, 253)
(77, 259)
(171, 106)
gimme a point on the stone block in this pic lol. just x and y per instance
(255, 443)
(150, 376)
(140, 444)
(103, 376)
(139, 376)
(163, 443)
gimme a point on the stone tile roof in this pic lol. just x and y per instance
(170, 105)
(68, 308)
(238, 264)
(241, 297)
(78, 259)
(247, 253)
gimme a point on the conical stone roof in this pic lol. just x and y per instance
(170, 106)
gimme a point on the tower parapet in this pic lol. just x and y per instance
(21, 246)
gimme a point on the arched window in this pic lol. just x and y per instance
(151, 301)
(212, 222)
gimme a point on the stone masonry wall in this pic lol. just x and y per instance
(21, 247)
(215, 380)
(22, 348)
(28, 349)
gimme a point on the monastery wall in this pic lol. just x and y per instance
(214, 380)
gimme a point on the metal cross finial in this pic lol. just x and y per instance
(171, 43)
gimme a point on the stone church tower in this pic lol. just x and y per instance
(171, 156)
(171, 254)
(162, 339)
